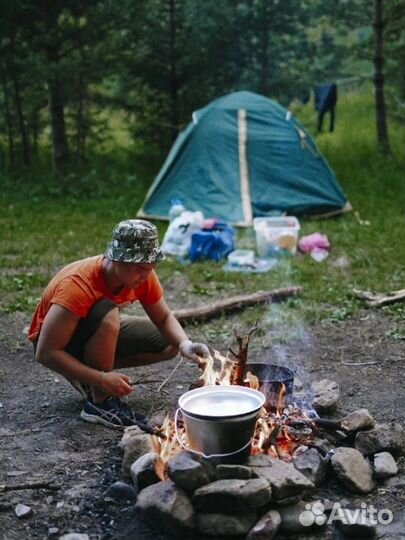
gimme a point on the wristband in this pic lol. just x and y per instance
(100, 382)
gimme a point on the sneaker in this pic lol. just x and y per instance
(136, 417)
(112, 412)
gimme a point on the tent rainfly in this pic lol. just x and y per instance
(244, 156)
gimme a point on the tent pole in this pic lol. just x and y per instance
(243, 167)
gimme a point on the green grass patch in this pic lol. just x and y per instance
(48, 221)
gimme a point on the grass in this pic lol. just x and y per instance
(47, 222)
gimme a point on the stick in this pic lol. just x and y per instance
(30, 485)
(380, 299)
(146, 381)
(243, 342)
(170, 374)
(234, 303)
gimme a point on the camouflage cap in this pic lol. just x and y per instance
(134, 241)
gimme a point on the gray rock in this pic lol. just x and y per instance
(312, 465)
(53, 531)
(259, 460)
(232, 496)
(285, 479)
(215, 525)
(326, 395)
(168, 504)
(322, 444)
(384, 465)
(135, 444)
(394, 530)
(382, 437)
(266, 528)
(121, 491)
(301, 517)
(358, 420)
(188, 472)
(353, 470)
(359, 528)
(131, 433)
(144, 470)
(241, 472)
(22, 511)
(287, 501)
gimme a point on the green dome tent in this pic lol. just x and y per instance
(244, 156)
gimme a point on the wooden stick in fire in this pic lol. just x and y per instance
(241, 356)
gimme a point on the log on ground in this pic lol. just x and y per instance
(234, 303)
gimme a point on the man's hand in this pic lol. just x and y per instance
(193, 351)
(115, 384)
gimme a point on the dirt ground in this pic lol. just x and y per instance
(43, 440)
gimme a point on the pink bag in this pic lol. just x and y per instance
(315, 241)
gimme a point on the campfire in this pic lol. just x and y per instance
(292, 450)
(281, 428)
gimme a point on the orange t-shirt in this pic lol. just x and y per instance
(80, 285)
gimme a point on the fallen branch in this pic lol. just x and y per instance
(380, 299)
(30, 485)
(234, 303)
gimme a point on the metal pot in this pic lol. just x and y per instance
(220, 421)
(272, 378)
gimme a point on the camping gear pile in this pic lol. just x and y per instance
(189, 235)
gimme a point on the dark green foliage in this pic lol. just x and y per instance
(70, 68)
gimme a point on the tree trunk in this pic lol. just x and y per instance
(381, 116)
(80, 121)
(21, 122)
(173, 72)
(60, 149)
(8, 122)
(34, 124)
(264, 52)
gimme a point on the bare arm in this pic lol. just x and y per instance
(161, 316)
(170, 328)
(56, 332)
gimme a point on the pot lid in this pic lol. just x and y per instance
(220, 401)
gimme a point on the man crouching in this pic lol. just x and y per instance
(78, 332)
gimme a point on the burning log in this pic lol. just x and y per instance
(332, 425)
(234, 303)
(241, 356)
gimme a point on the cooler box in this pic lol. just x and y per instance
(276, 235)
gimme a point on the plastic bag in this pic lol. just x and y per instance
(177, 240)
(316, 240)
(316, 244)
(213, 244)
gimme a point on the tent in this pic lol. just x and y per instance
(244, 156)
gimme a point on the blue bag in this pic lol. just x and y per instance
(213, 244)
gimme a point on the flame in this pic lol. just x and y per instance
(210, 376)
(274, 434)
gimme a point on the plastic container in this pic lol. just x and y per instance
(242, 257)
(276, 235)
(176, 209)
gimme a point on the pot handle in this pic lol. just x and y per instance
(202, 453)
